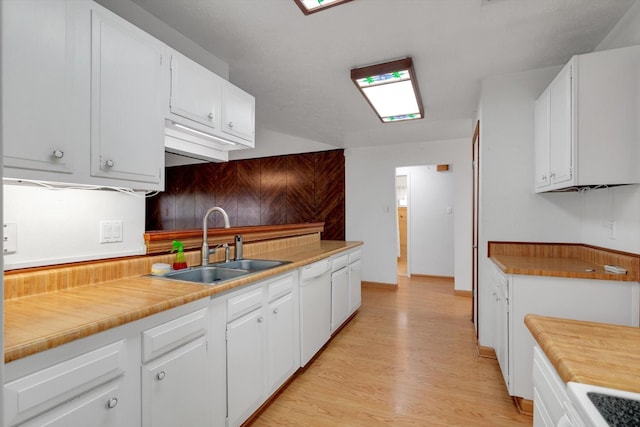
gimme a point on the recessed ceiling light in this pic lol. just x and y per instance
(391, 89)
(312, 6)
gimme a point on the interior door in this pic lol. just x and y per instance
(475, 148)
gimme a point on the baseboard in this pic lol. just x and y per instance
(430, 276)
(525, 406)
(466, 294)
(487, 352)
(380, 285)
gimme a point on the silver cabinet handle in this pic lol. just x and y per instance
(275, 311)
(160, 375)
(112, 403)
(109, 163)
(230, 125)
(260, 319)
(58, 154)
(210, 116)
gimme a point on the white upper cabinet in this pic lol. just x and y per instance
(586, 131)
(37, 84)
(84, 96)
(207, 116)
(238, 114)
(127, 101)
(195, 93)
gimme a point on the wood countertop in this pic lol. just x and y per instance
(39, 322)
(563, 260)
(591, 353)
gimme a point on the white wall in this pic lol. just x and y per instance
(430, 216)
(370, 203)
(58, 226)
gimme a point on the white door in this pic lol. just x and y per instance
(245, 366)
(127, 99)
(238, 112)
(560, 127)
(281, 340)
(174, 388)
(541, 140)
(339, 297)
(355, 285)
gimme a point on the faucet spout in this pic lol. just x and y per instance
(205, 244)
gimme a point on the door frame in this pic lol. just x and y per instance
(475, 224)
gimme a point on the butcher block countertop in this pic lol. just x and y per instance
(563, 260)
(591, 353)
(41, 321)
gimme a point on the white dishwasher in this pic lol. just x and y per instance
(315, 308)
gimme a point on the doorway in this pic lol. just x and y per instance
(425, 235)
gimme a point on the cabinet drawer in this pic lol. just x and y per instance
(355, 255)
(171, 335)
(244, 303)
(339, 262)
(280, 287)
(45, 389)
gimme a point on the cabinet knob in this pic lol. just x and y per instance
(544, 177)
(260, 319)
(275, 311)
(160, 375)
(230, 125)
(109, 163)
(58, 154)
(210, 116)
(112, 403)
(552, 174)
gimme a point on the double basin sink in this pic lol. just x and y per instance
(214, 274)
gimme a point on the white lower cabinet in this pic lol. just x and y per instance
(99, 381)
(579, 299)
(262, 345)
(355, 280)
(340, 291)
(175, 374)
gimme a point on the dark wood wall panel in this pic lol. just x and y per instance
(276, 190)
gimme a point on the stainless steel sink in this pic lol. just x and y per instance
(252, 265)
(207, 274)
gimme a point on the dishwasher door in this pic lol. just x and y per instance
(315, 308)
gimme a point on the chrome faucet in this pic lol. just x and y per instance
(205, 245)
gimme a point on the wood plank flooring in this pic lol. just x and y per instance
(407, 358)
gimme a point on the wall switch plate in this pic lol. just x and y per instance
(10, 238)
(111, 231)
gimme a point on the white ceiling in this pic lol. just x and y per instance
(298, 66)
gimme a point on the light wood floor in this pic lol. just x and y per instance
(406, 359)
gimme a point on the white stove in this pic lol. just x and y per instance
(621, 408)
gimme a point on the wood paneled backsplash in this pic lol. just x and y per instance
(291, 189)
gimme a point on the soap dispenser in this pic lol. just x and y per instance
(180, 262)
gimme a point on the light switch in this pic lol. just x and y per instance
(10, 239)
(111, 231)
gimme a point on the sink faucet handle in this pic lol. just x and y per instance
(238, 247)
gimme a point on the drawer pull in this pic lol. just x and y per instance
(160, 375)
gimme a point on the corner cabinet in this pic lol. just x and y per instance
(586, 130)
(579, 299)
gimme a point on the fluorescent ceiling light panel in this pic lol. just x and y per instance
(391, 89)
(311, 6)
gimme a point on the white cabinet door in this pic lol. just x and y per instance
(281, 342)
(238, 113)
(560, 128)
(339, 298)
(195, 92)
(128, 99)
(175, 388)
(355, 285)
(37, 82)
(541, 141)
(98, 408)
(245, 366)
